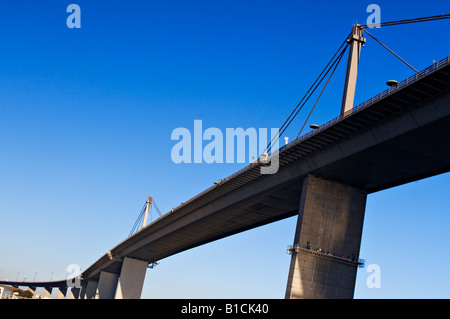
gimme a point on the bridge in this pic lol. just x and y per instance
(324, 177)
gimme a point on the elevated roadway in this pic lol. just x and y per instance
(399, 136)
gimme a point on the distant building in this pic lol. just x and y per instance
(6, 291)
(9, 292)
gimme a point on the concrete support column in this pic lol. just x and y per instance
(47, 292)
(33, 290)
(91, 289)
(355, 41)
(62, 291)
(107, 285)
(330, 220)
(83, 289)
(74, 293)
(131, 279)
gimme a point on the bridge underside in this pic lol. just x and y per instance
(400, 138)
(418, 154)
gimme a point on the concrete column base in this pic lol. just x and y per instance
(327, 239)
(74, 293)
(47, 293)
(62, 291)
(91, 290)
(131, 279)
(107, 285)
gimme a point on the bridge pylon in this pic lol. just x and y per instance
(328, 233)
(356, 40)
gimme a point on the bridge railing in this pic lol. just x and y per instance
(392, 89)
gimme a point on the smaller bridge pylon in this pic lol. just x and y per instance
(142, 218)
(147, 208)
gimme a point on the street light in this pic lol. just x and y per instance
(392, 83)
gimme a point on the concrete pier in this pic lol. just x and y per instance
(131, 279)
(47, 293)
(330, 221)
(62, 291)
(107, 285)
(89, 289)
(74, 293)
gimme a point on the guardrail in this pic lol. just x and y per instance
(391, 90)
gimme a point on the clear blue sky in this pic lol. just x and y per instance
(86, 117)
